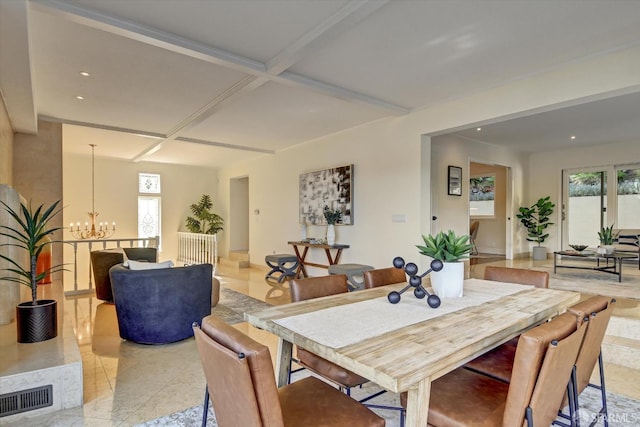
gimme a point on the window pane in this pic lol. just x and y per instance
(482, 195)
(148, 216)
(148, 183)
(628, 198)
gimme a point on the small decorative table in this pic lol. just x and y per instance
(614, 268)
(332, 259)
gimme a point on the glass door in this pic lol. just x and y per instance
(584, 209)
(628, 197)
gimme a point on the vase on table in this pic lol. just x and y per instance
(303, 232)
(331, 234)
(449, 282)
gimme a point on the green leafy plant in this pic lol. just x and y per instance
(203, 221)
(607, 236)
(536, 219)
(331, 216)
(447, 247)
(30, 235)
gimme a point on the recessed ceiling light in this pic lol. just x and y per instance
(573, 137)
(84, 73)
(478, 129)
(80, 97)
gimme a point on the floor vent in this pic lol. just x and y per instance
(26, 400)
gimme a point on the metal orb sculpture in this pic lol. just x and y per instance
(415, 281)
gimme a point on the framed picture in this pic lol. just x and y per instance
(331, 187)
(455, 181)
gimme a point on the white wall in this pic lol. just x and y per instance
(392, 163)
(546, 173)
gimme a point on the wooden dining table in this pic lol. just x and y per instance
(404, 347)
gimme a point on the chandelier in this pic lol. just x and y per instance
(102, 230)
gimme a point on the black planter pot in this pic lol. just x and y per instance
(37, 322)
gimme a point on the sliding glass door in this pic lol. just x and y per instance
(588, 205)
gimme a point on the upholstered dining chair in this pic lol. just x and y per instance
(599, 310)
(315, 287)
(522, 276)
(240, 377)
(383, 276)
(542, 369)
(473, 233)
(497, 362)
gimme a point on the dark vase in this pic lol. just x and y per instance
(37, 322)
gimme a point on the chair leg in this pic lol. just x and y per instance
(603, 413)
(205, 406)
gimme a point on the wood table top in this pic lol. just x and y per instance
(399, 359)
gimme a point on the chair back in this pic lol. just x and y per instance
(315, 287)
(473, 229)
(540, 376)
(598, 309)
(240, 376)
(539, 279)
(383, 276)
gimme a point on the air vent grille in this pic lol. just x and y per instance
(26, 400)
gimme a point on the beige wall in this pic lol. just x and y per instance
(6, 146)
(37, 171)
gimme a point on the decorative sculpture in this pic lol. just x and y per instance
(415, 281)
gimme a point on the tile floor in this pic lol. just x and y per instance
(127, 383)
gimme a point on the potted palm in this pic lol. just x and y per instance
(451, 250)
(536, 220)
(332, 217)
(36, 320)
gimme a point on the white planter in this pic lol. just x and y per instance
(331, 234)
(539, 253)
(303, 232)
(448, 282)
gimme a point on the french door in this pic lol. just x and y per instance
(599, 197)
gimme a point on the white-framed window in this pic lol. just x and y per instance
(482, 195)
(149, 206)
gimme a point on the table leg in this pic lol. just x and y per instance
(555, 262)
(619, 269)
(418, 404)
(283, 362)
(301, 271)
(336, 260)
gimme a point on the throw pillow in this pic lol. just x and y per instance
(140, 265)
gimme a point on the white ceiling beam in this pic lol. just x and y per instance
(224, 145)
(16, 79)
(344, 19)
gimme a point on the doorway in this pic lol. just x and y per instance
(239, 214)
(489, 211)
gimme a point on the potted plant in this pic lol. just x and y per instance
(607, 237)
(332, 217)
(36, 320)
(536, 220)
(451, 250)
(203, 221)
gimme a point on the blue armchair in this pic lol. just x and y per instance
(158, 306)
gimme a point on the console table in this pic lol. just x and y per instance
(615, 268)
(301, 272)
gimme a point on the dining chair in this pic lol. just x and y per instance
(240, 377)
(599, 310)
(383, 276)
(473, 233)
(316, 287)
(542, 369)
(498, 362)
(522, 276)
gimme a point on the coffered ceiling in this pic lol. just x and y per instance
(214, 82)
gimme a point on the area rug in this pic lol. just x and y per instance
(233, 305)
(623, 412)
(595, 282)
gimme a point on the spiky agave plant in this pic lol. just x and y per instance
(29, 235)
(446, 247)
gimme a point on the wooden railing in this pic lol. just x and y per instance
(195, 248)
(84, 248)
